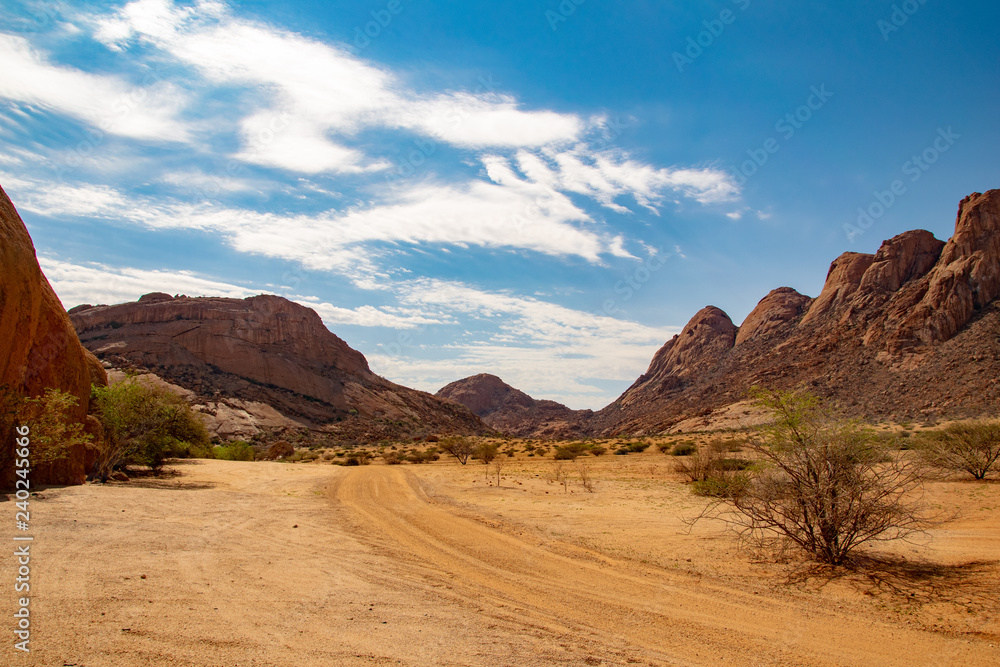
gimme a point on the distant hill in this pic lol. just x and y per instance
(261, 353)
(511, 411)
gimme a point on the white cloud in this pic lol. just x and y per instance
(103, 101)
(56, 199)
(483, 121)
(321, 105)
(98, 283)
(368, 316)
(508, 214)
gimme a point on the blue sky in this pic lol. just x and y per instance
(546, 191)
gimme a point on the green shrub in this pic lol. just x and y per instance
(597, 450)
(570, 451)
(637, 446)
(623, 451)
(237, 450)
(53, 433)
(683, 449)
(143, 425)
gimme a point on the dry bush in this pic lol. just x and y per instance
(586, 481)
(279, 450)
(496, 466)
(971, 447)
(485, 452)
(701, 463)
(559, 475)
(828, 487)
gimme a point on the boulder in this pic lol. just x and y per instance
(39, 348)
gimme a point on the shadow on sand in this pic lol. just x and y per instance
(972, 585)
(169, 477)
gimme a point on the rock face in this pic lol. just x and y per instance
(513, 412)
(778, 307)
(38, 347)
(236, 356)
(912, 331)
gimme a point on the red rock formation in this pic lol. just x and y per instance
(38, 347)
(513, 412)
(778, 307)
(901, 259)
(912, 330)
(264, 349)
(964, 280)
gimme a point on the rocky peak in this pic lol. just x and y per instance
(901, 259)
(708, 335)
(264, 350)
(842, 281)
(512, 411)
(778, 307)
(154, 297)
(965, 279)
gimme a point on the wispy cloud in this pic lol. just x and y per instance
(513, 215)
(99, 283)
(323, 105)
(107, 102)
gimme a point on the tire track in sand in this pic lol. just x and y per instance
(668, 617)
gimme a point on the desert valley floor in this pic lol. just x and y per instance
(230, 563)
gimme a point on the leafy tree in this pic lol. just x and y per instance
(458, 446)
(143, 425)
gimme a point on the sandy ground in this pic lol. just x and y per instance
(242, 564)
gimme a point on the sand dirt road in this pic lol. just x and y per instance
(274, 564)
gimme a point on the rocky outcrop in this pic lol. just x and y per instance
(38, 347)
(964, 280)
(911, 331)
(778, 307)
(243, 357)
(842, 281)
(513, 412)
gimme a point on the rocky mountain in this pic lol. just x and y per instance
(259, 362)
(513, 412)
(911, 332)
(39, 348)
